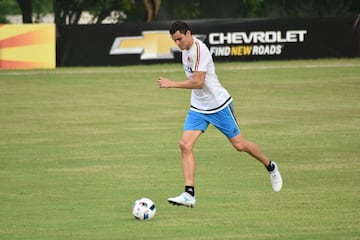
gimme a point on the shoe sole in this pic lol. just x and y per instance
(180, 204)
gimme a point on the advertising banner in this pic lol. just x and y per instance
(27, 46)
(228, 40)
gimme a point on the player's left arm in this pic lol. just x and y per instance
(196, 82)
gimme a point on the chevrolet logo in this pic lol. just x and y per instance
(151, 45)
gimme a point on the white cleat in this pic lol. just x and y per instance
(275, 178)
(184, 199)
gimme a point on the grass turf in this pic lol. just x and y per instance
(79, 145)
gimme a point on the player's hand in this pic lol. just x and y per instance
(164, 82)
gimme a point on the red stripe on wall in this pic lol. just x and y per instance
(19, 64)
(35, 37)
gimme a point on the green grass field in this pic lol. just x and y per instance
(79, 145)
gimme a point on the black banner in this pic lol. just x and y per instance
(228, 40)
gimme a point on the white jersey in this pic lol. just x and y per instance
(212, 97)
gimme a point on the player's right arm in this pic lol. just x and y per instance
(196, 82)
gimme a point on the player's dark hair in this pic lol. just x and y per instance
(180, 26)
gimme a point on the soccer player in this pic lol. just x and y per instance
(210, 104)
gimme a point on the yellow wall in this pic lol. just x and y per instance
(27, 46)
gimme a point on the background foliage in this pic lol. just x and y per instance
(69, 11)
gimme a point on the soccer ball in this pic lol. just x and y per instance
(143, 209)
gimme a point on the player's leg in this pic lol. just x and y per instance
(243, 145)
(186, 144)
(193, 127)
(225, 121)
(187, 198)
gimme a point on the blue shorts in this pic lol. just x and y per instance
(223, 120)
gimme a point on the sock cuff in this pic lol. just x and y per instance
(190, 190)
(270, 167)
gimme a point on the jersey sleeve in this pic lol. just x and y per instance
(201, 56)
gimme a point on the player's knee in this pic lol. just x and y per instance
(240, 147)
(184, 146)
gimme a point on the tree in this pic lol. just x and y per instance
(26, 9)
(303, 8)
(69, 11)
(8, 7)
(152, 8)
(31, 10)
(40, 9)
